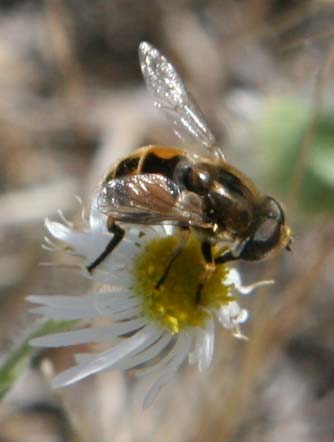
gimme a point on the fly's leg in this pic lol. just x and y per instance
(118, 234)
(226, 257)
(210, 266)
(234, 253)
(184, 235)
(211, 263)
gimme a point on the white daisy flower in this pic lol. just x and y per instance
(153, 330)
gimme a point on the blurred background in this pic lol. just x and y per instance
(72, 100)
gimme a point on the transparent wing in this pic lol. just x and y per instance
(148, 199)
(172, 97)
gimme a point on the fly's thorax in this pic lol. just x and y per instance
(228, 201)
(229, 211)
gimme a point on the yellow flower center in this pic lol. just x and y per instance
(177, 302)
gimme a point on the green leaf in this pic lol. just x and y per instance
(281, 133)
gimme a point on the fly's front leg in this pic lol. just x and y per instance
(226, 257)
(232, 254)
(118, 234)
(209, 268)
(184, 235)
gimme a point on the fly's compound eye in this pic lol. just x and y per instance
(264, 240)
(267, 234)
(274, 211)
(194, 179)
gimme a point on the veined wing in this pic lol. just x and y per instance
(171, 96)
(148, 199)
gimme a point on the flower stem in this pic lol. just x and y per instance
(17, 360)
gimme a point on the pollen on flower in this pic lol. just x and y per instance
(174, 304)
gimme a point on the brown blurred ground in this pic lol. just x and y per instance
(72, 101)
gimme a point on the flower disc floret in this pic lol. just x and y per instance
(177, 303)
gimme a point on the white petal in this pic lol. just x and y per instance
(84, 358)
(157, 386)
(87, 243)
(136, 359)
(67, 314)
(74, 238)
(83, 336)
(64, 313)
(182, 348)
(121, 312)
(146, 355)
(67, 307)
(90, 300)
(234, 278)
(120, 278)
(129, 313)
(231, 315)
(204, 346)
(113, 263)
(110, 265)
(108, 358)
(64, 300)
(97, 220)
(58, 230)
(127, 248)
(162, 362)
(110, 304)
